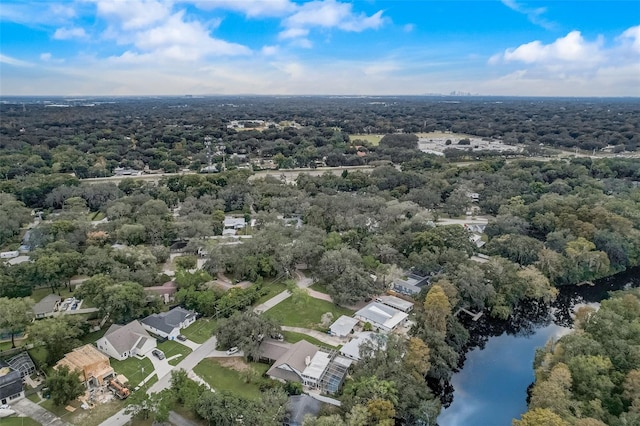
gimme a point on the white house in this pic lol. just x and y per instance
(381, 317)
(169, 324)
(343, 326)
(124, 341)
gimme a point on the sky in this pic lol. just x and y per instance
(319, 47)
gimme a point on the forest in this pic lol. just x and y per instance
(548, 223)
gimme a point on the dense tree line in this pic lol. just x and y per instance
(591, 376)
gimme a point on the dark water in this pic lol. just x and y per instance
(491, 388)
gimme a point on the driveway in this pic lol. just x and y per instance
(161, 366)
(189, 343)
(323, 337)
(29, 408)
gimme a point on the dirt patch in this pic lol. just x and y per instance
(234, 363)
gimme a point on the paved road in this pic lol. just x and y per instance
(29, 408)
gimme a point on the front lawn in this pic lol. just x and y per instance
(201, 330)
(271, 289)
(307, 314)
(132, 369)
(171, 348)
(229, 378)
(320, 287)
(293, 337)
(94, 336)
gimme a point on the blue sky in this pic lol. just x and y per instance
(366, 47)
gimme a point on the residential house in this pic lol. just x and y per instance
(11, 388)
(47, 306)
(312, 366)
(343, 326)
(22, 363)
(411, 285)
(351, 350)
(299, 406)
(167, 291)
(124, 341)
(94, 366)
(396, 303)
(169, 324)
(232, 225)
(381, 317)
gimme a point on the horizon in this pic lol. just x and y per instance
(507, 48)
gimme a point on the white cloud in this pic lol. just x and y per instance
(251, 8)
(328, 14)
(131, 15)
(632, 35)
(4, 59)
(37, 13)
(45, 56)
(408, 28)
(69, 33)
(572, 48)
(535, 15)
(269, 50)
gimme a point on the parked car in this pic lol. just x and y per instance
(181, 337)
(233, 350)
(158, 354)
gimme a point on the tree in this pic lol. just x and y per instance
(65, 385)
(58, 335)
(417, 357)
(540, 417)
(245, 330)
(15, 315)
(436, 309)
(154, 406)
(186, 262)
(347, 280)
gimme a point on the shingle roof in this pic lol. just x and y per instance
(46, 305)
(124, 337)
(10, 381)
(168, 321)
(294, 358)
(272, 349)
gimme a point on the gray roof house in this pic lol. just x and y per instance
(169, 324)
(291, 364)
(300, 406)
(343, 326)
(381, 317)
(47, 306)
(124, 341)
(10, 384)
(411, 285)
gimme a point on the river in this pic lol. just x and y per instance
(491, 388)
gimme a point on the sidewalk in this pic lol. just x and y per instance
(272, 302)
(29, 408)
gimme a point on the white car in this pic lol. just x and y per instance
(233, 350)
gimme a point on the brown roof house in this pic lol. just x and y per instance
(93, 365)
(124, 341)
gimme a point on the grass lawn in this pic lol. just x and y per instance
(39, 355)
(34, 397)
(374, 140)
(18, 421)
(307, 315)
(7, 345)
(201, 330)
(231, 380)
(132, 369)
(171, 348)
(59, 410)
(271, 289)
(293, 337)
(93, 337)
(318, 286)
(39, 293)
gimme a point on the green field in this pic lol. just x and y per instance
(132, 369)
(373, 140)
(307, 315)
(200, 331)
(223, 378)
(318, 286)
(18, 421)
(171, 348)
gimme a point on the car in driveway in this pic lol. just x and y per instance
(182, 338)
(158, 354)
(233, 350)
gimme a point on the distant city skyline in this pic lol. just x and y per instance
(323, 47)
